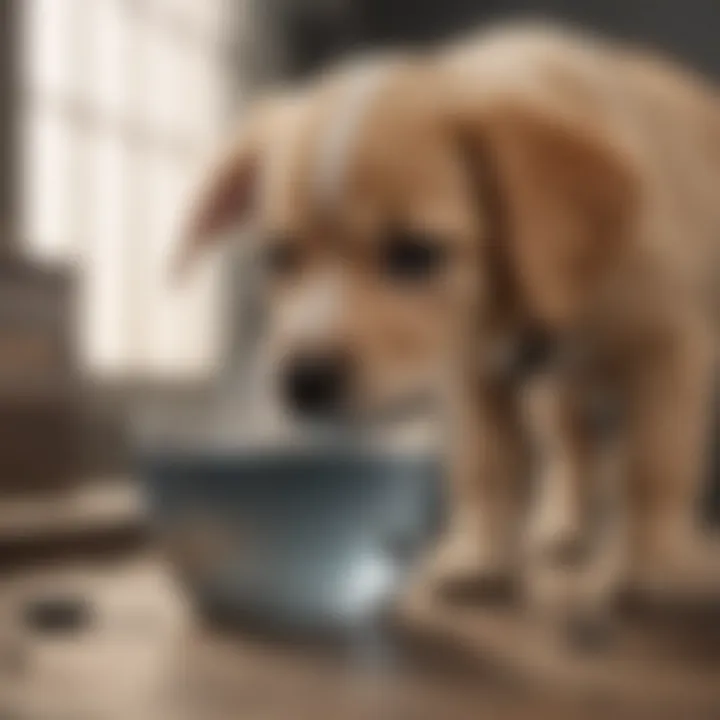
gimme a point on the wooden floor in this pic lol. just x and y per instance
(144, 657)
(656, 659)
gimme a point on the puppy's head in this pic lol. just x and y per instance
(400, 220)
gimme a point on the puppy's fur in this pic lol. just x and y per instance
(573, 185)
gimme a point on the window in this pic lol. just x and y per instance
(123, 99)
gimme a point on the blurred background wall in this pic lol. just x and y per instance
(314, 30)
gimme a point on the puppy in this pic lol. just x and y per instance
(420, 215)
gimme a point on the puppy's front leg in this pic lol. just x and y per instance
(487, 458)
(559, 433)
(575, 532)
(670, 412)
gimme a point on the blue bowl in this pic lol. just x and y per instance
(309, 538)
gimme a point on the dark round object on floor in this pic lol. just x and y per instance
(57, 614)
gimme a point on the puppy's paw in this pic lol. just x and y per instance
(462, 569)
(564, 546)
(489, 588)
(575, 604)
(557, 540)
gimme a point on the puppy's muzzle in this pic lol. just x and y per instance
(317, 386)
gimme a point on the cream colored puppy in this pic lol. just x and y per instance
(420, 215)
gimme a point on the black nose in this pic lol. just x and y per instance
(317, 385)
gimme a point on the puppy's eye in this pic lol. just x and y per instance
(282, 258)
(412, 257)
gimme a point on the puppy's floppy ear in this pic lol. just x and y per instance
(568, 198)
(226, 195)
